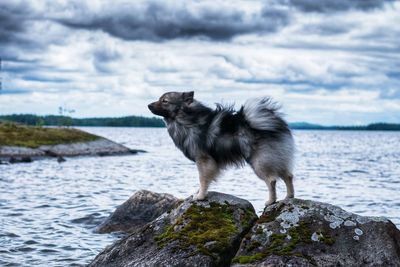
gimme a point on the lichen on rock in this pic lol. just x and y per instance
(303, 233)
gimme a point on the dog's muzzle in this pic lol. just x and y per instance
(151, 106)
(157, 110)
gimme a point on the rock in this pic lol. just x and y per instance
(223, 231)
(98, 147)
(24, 159)
(17, 152)
(50, 153)
(12, 160)
(135, 151)
(61, 159)
(306, 233)
(196, 233)
(141, 208)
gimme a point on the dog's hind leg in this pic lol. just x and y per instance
(264, 174)
(288, 179)
(208, 171)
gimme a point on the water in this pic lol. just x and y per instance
(48, 210)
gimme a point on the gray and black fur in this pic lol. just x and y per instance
(217, 138)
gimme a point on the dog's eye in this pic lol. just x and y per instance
(164, 100)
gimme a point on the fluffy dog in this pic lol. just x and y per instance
(217, 138)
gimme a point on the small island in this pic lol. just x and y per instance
(22, 143)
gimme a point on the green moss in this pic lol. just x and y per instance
(301, 233)
(249, 258)
(200, 225)
(328, 240)
(253, 245)
(259, 231)
(12, 134)
(280, 245)
(248, 218)
(271, 215)
(325, 238)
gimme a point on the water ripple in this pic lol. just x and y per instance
(49, 210)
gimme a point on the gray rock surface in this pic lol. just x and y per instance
(306, 233)
(141, 208)
(99, 147)
(196, 233)
(16, 151)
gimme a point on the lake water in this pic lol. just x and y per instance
(48, 210)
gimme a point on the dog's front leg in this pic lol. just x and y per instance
(202, 192)
(208, 171)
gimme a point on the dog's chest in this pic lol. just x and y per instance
(186, 139)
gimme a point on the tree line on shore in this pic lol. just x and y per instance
(139, 121)
(56, 120)
(379, 126)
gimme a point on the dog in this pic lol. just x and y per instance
(217, 138)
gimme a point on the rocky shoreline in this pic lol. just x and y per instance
(224, 230)
(98, 147)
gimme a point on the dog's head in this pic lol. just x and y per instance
(171, 103)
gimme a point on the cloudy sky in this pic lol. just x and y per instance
(326, 61)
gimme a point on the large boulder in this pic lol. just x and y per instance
(196, 233)
(141, 208)
(306, 233)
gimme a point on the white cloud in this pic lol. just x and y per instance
(327, 66)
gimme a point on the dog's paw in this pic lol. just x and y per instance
(289, 197)
(270, 202)
(199, 197)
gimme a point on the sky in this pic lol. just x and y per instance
(332, 62)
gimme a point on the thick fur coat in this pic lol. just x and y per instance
(220, 137)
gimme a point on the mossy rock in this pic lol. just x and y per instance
(196, 233)
(12, 134)
(289, 233)
(141, 208)
(306, 233)
(20, 143)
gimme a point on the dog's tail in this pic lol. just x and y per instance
(263, 114)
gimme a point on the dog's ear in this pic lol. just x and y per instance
(188, 97)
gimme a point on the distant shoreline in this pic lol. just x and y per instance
(380, 126)
(140, 121)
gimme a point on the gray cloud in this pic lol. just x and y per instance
(327, 6)
(160, 21)
(40, 78)
(306, 85)
(102, 56)
(12, 21)
(17, 39)
(15, 92)
(326, 28)
(14, 25)
(80, 50)
(156, 21)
